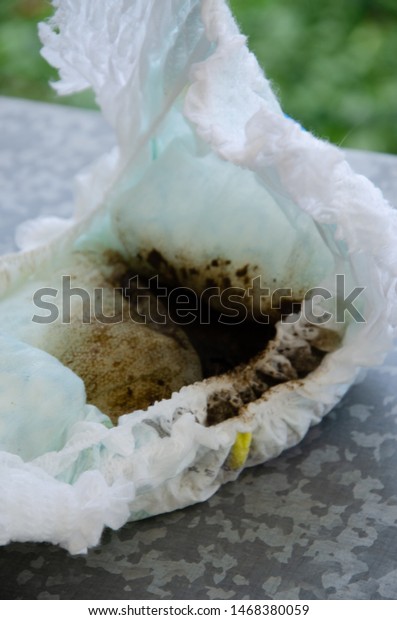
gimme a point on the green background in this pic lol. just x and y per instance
(332, 62)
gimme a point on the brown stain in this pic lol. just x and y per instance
(126, 368)
(162, 266)
(132, 361)
(217, 273)
(249, 383)
(221, 406)
(327, 340)
(240, 273)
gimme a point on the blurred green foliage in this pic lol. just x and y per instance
(23, 72)
(332, 62)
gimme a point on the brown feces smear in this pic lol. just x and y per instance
(131, 347)
(129, 355)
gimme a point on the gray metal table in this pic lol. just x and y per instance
(319, 522)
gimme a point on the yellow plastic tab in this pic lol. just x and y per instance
(240, 450)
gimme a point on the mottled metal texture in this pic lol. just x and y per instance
(319, 522)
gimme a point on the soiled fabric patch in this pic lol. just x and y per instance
(127, 350)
